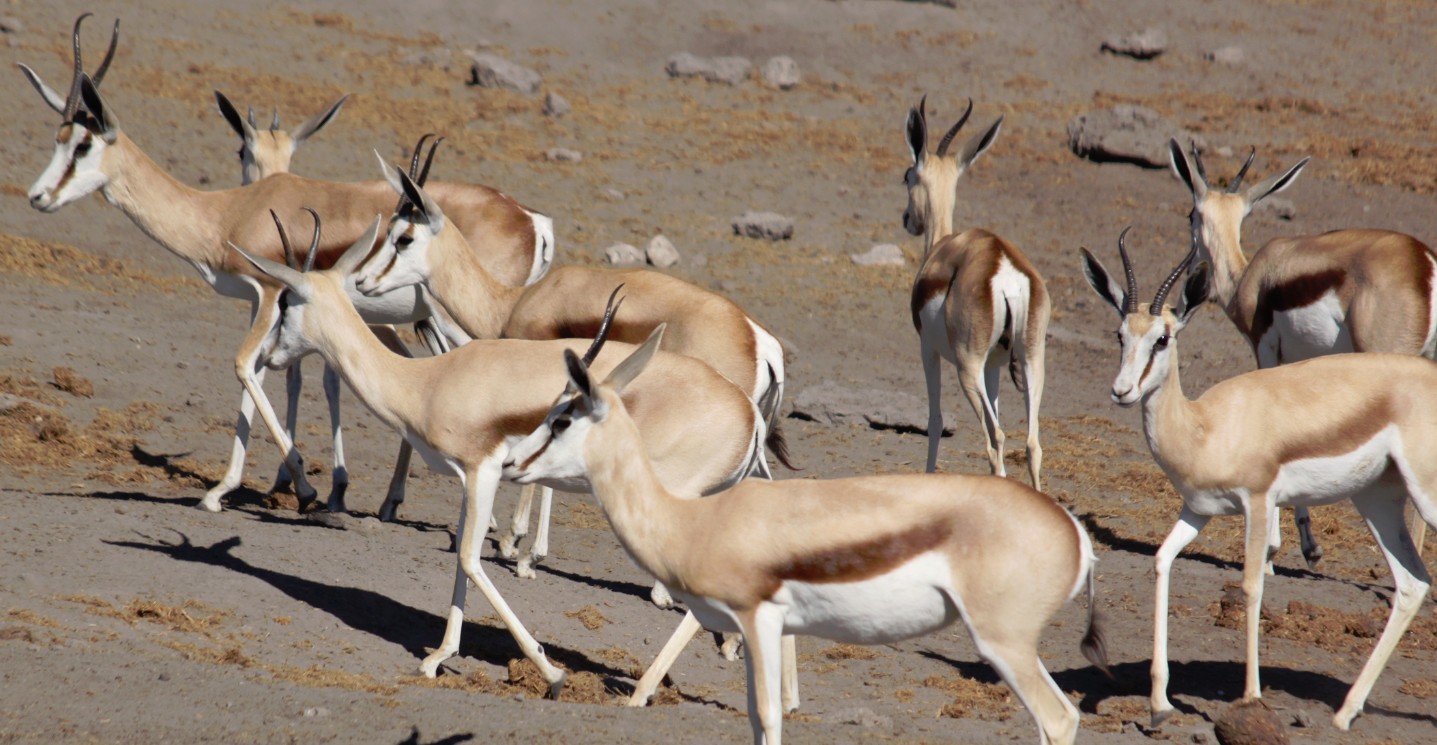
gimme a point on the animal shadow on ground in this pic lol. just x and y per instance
(369, 611)
(413, 739)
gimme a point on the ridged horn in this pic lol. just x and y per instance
(953, 132)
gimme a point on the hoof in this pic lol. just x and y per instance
(207, 506)
(525, 570)
(1159, 717)
(557, 687)
(509, 546)
(729, 648)
(1313, 558)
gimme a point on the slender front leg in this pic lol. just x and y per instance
(519, 524)
(540, 549)
(293, 385)
(479, 490)
(933, 379)
(247, 369)
(1311, 551)
(394, 496)
(454, 620)
(654, 675)
(1382, 509)
(762, 634)
(1187, 528)
(339, 480)
(233, 475)
(1261, 514)
(790, 674)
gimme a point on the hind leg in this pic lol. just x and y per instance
(972, 378)
(1010, 646)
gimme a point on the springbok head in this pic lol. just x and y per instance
(1146, 336)
(87, 128)
(932, 180)
(268, 151)
(403, 257)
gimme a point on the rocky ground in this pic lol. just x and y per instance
(128, 616)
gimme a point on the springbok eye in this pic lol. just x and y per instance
(559, 425)
(83, 147)
(1161, 343)
(404, 240)
(1119, 336)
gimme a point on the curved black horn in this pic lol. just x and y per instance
(72, 100)
(109, 55)
(1232, 188)
(1197, 161)
(1157, 307)
(418, 153)
(284, 241)
(948, 138)
(1130, 303)
(274, 121)
(313, 243)
(428, 161)
(603, 333)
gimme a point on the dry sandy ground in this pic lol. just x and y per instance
(128, 616)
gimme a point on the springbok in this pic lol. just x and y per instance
(420, 249)
(268, 151)
(1311, 295)
(465, 409)
(977, 301)
(93, 154)
(868, 560)
(1310, 433)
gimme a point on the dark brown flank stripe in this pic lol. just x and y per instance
(925, 290)
(864, 560)
(632, 333)
(1297, 292)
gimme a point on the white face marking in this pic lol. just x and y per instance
(553, 454)
(1147, 343)
(401, 260)
(74, 169)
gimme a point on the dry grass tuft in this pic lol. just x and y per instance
(589, 616)
(72, 382)
(849, 652)
(971, 698)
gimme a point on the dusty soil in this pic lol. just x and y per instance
(128, 616)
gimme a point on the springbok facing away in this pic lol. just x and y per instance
(1311, 295)
(420, 249)
(869, 560)
(464, 409)
(1314, 432)
(268, 151)
(977, 300)
(92, 154)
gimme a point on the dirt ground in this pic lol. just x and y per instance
(128, 616)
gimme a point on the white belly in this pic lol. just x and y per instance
(1310, 331)
(912, 600)
(1314, 481)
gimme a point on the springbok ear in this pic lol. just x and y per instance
(636, 362)
(579, 378)
(90, 95)
(391, 174)
(1275, 184)
(979, 144)
(232, 115)
(1178, 159)
(291, 278)
(317, 122)
(917, 132)
(359, 250)
(1103, 283)
(416, 196)
(52, 99)
(1195, 292)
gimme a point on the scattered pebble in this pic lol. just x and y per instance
(624, 254)
(883, 254)
(316, 711)
(1225, 56)
(555, 105)
(661, 252)
(781, 73)
(492, 71)
(1127, 134)
(1282, 209)
(863, 717)
(1249, 722)
(11, 25)
(768, 225)
(1143, 45)
(730, 70)
(563, 154)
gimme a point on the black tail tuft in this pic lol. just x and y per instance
(778, 446)
(1095, 643)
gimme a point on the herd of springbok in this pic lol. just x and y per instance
(552, 376)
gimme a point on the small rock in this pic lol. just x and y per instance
(1225, 56)
(623, 254)
(1249, 722)
(730, 70)
(335, 520)
(316, 711)
(368, 525)
(1200, 738)
(832, 403)
(1145, 44)
(685, 65)
(492, 71)
(555, 105)
(563, 154)
(164, 677)
(884, 254)
(769, 225)
(11, 25)
(195, 399)
(1301, 719)
(1282, 209)
(9, 401)
(615, 194)
(661, 252)
(781, 73)
(1127, 134)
